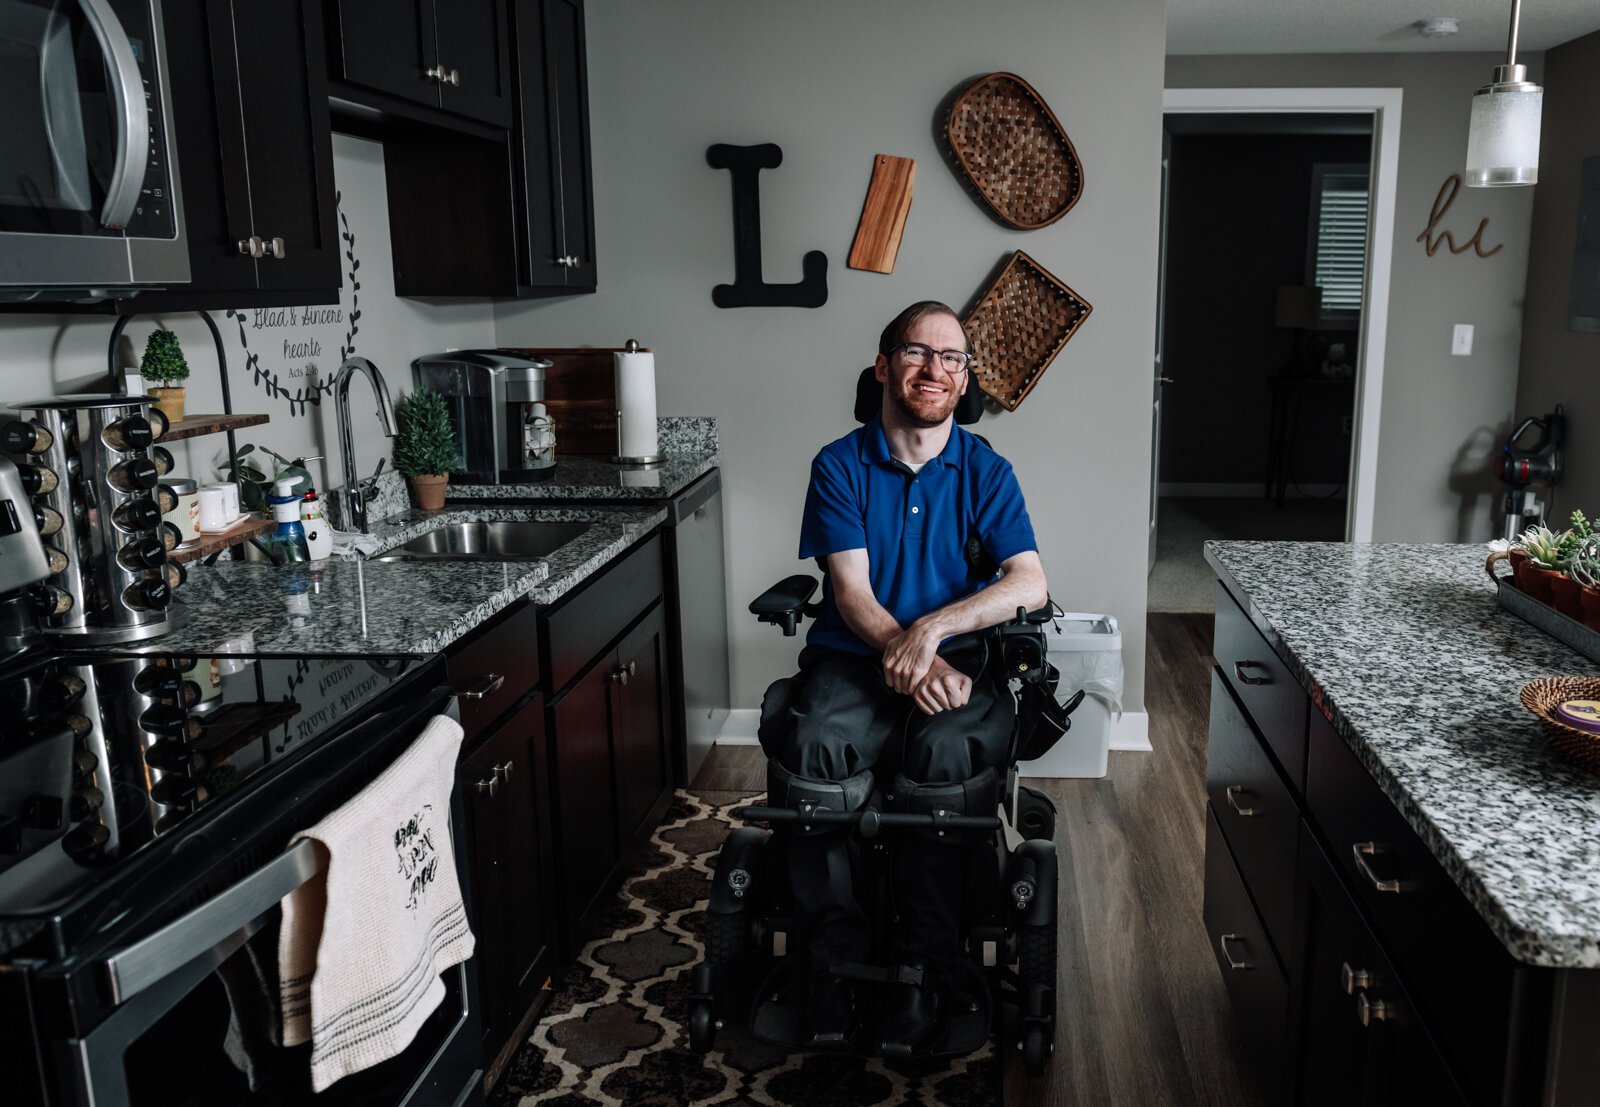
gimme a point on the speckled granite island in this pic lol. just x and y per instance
(1403, 883)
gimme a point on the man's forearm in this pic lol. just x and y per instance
(1022, 586)
(870, 621)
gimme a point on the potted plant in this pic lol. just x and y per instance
(1566, 589)
(164, 369)
(425, 447)
(1584, 567)
(1534, 576)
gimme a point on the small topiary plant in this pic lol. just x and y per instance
(424, 443)
(163, 360)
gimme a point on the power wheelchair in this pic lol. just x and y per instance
(755, 971)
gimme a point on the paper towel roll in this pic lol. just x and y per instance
(636, 405)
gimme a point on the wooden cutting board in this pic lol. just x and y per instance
(580, 393)
(883, 216)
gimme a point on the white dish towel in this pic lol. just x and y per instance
(364, 941)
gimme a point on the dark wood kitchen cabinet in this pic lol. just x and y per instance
(510, 863)
(555, 226)
(610, 765)
(449, 55)
(255, 155)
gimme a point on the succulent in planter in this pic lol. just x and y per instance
(1542, 545)
(425, 446)
(1583, 566)
(164, 367)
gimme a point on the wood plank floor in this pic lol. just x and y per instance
(1143, 1018)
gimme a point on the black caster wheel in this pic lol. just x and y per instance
(702, 1027)
(1035, 1049)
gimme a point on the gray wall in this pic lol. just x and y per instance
(1560, 365)
(43, 355)
(834, 82)
(1442, 416)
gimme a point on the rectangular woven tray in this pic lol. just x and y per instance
(1019, 326)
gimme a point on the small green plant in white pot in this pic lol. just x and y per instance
(164, 370)
(425, 447)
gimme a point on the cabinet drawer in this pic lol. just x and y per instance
(1461, 978)
(583, 626)
(1255, 812)
(1255, 984)
(507, 648)
(1263, 683)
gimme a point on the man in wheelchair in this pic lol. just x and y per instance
(912, 515)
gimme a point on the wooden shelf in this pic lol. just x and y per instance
(192, 426)
(212, 543)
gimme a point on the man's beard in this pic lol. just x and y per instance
(919, 410)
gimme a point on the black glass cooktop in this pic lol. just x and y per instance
(102, 755)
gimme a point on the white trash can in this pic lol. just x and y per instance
(1087, 649)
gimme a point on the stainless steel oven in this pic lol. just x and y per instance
(90, 203)
(143, 820)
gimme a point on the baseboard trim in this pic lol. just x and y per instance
(1236, 491)
(1131, 732)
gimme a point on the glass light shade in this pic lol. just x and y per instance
(1503, 142)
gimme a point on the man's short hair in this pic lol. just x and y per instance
(895, 333)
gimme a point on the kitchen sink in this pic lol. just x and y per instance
(506, 540)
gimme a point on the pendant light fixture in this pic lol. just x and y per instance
(1503, 142)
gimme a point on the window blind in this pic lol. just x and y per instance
(1340, 264)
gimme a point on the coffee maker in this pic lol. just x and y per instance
(496, 404)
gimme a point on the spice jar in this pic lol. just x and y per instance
(185, 513)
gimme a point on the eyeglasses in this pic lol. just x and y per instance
(917, 355)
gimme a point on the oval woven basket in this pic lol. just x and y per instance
(1543, 696)
(1014, 151)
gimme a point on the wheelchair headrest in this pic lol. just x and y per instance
(869, 398)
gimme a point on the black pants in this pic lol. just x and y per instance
(838, 717)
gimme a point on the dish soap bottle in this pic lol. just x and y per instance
(290, 537)
(319, 539)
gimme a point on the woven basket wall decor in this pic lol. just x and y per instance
(1014, 151)
(1019, 326)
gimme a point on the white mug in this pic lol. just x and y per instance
(214, 514)
(232, 491)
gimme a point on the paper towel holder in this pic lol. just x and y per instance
(643, 461)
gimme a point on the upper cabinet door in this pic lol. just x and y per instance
(475, 59)
(388, 46)
(566, 54)
(289, 144)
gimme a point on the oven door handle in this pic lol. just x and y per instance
(150, 959)
(132, 116)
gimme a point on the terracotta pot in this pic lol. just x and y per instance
(1565, 592)
(1518, 556)
(429, 491)
(1589, 601)
(1534, 579)
(170, 402)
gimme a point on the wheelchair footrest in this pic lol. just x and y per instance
(779, 1015)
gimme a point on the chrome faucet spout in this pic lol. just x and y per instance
(355, 493)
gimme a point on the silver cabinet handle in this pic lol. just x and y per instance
(625, 672)
(1222, 944)
(482, 686)
(1351, 979)
(1363, 850)
(1239, 668)
(503, 772)
(1370, 1011)
(434, 73)
(1232, 792)
(133, 116)
(442, 75)
(454, 78)
(491, 785)
(275, 247)
(252, 246)
(151, 959)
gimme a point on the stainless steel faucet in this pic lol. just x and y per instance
(356, 490)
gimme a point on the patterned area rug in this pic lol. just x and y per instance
(613, 1033)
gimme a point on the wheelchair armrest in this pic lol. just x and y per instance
(785, 602)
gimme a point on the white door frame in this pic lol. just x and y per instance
(1383, 104)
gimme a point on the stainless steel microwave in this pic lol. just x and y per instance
(90, 205)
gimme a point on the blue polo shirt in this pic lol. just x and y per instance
(914, 526)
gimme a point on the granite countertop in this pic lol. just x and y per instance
(351, 606)
(1418, 668)
(597, 478)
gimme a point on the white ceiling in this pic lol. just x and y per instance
(1368, 26)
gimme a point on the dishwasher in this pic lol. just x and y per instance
(697, 622)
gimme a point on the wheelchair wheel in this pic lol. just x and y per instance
(727, 936)
(1035, 1049)
(702, 1026)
